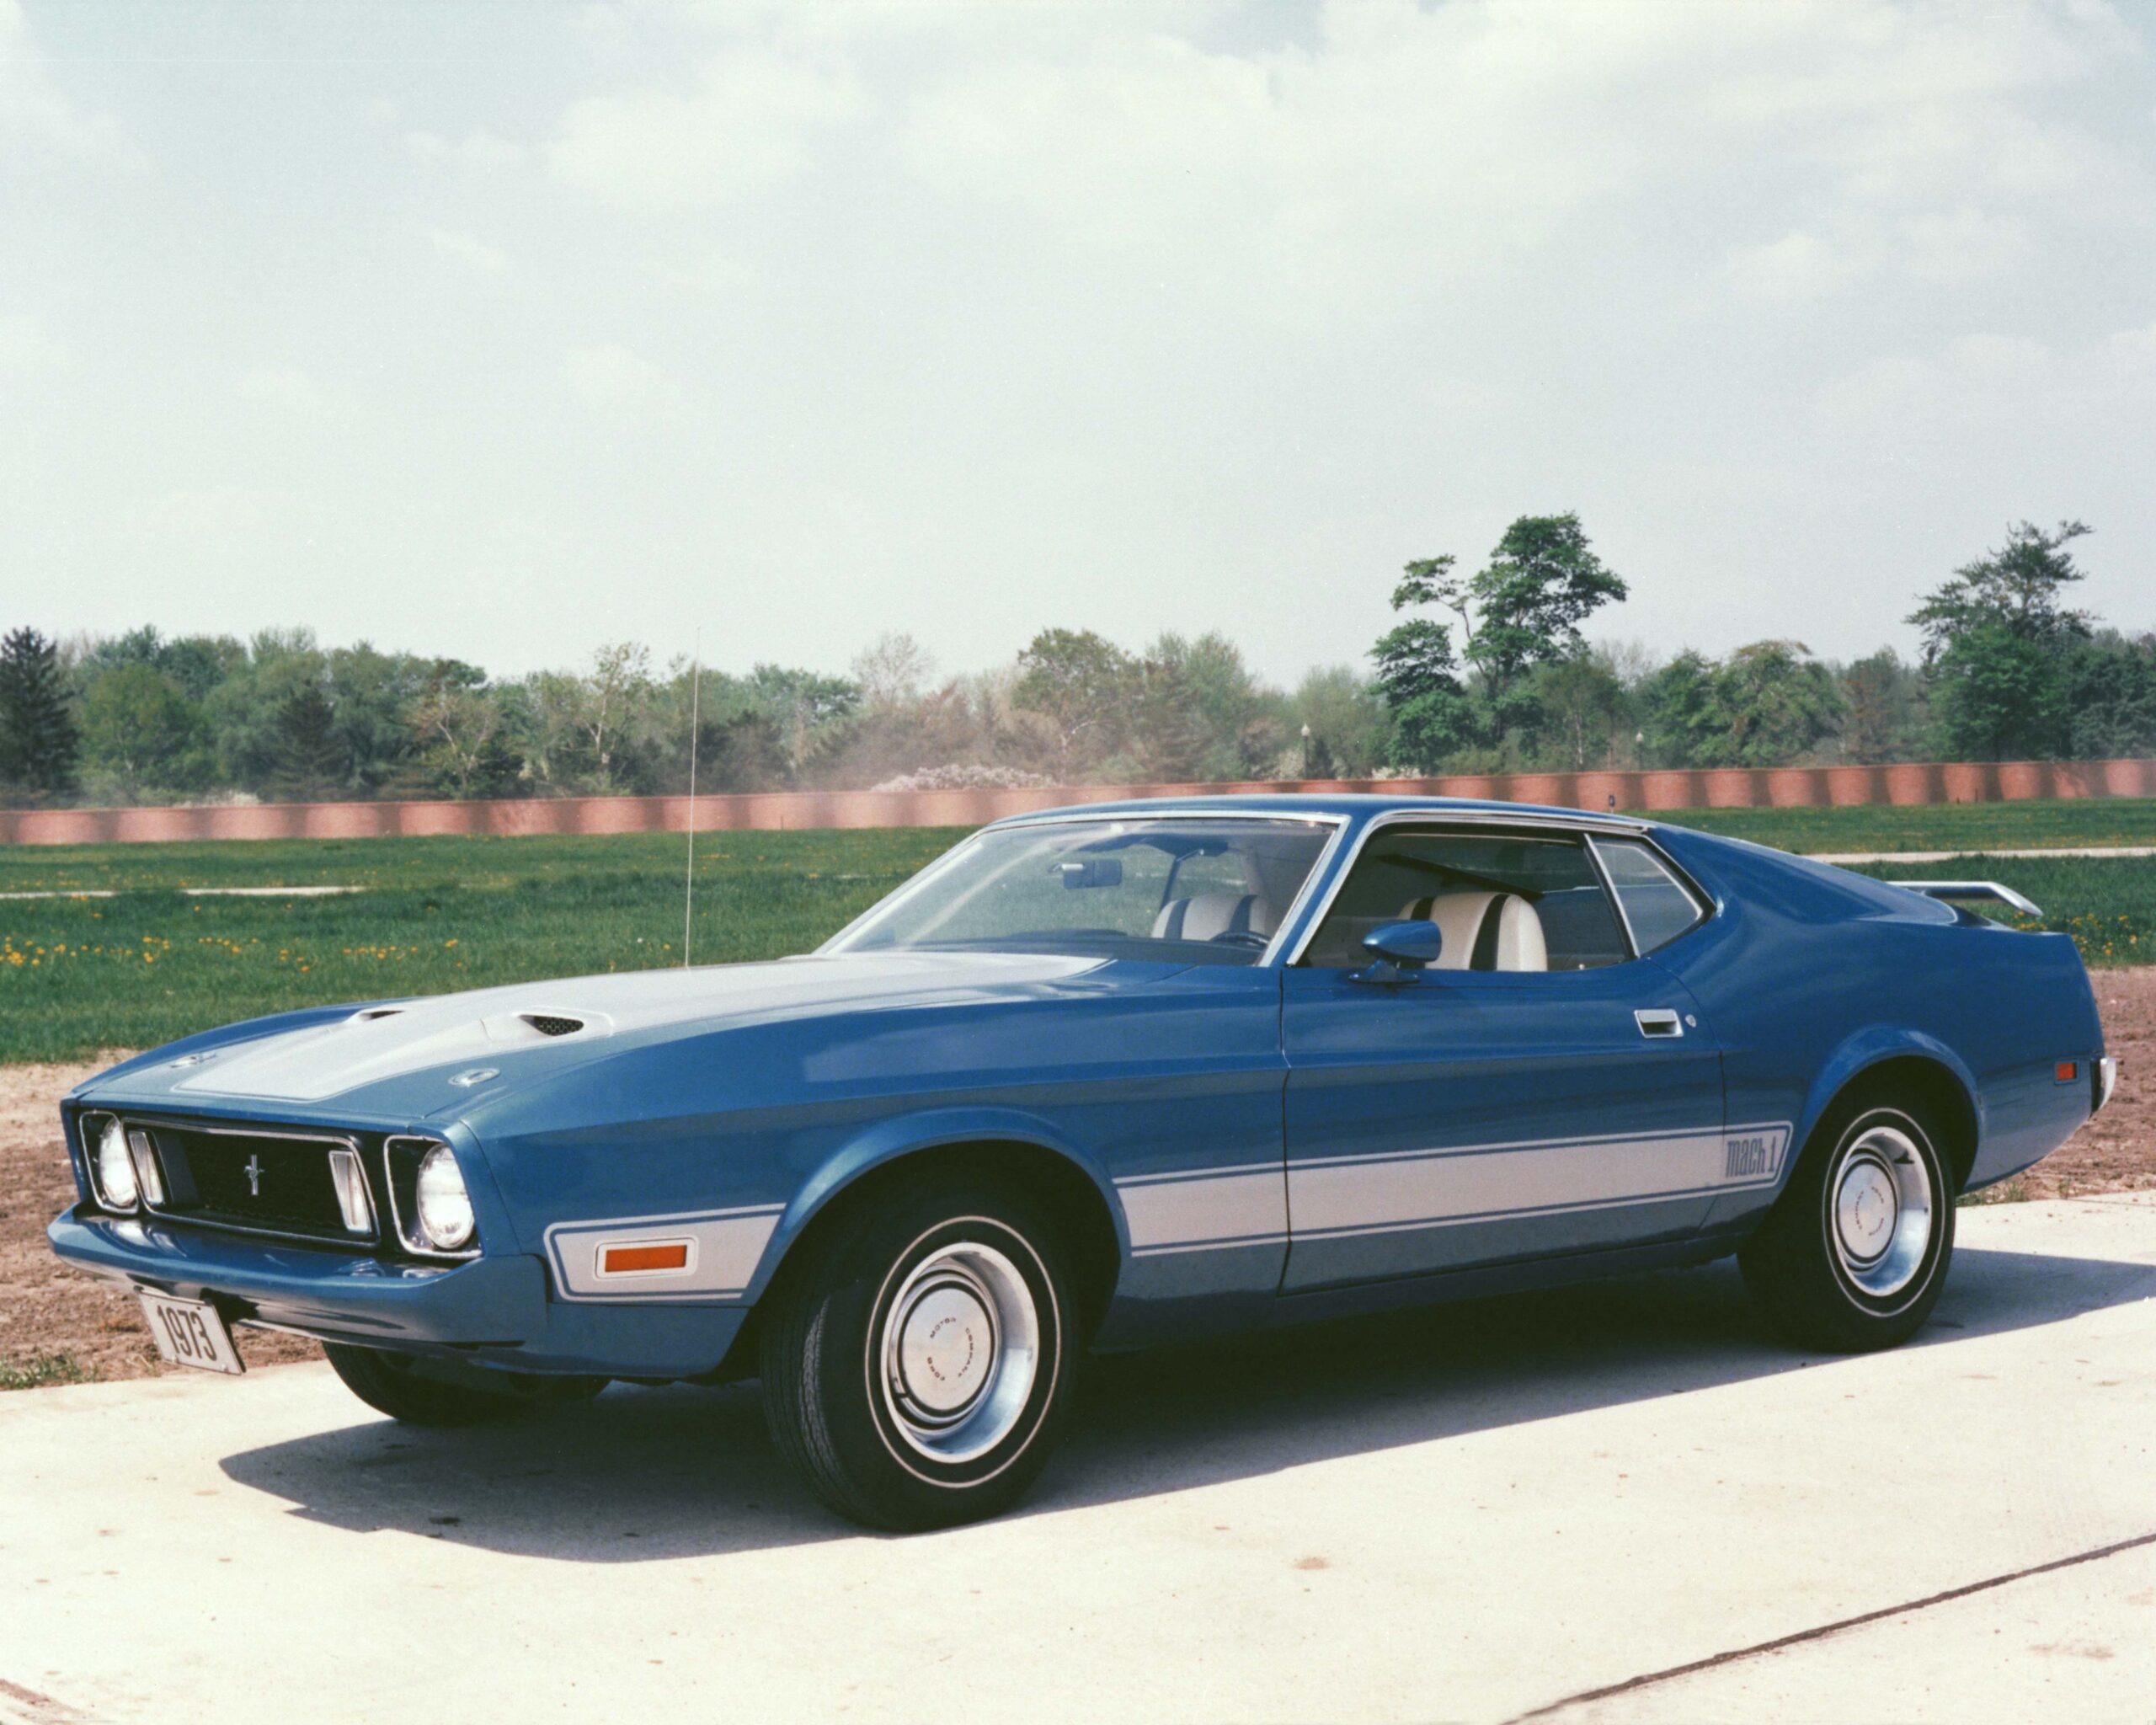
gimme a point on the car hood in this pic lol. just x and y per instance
(531, 1030)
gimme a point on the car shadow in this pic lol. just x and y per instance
(640, 1475)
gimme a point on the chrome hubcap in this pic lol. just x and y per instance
(1881, 1217)
(959, 1350)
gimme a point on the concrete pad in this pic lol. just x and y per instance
(197, 892)
(1473, 1513)
(1845, 858)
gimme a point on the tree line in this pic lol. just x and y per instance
(1486, 671)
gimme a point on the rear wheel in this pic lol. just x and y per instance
(429, 1393)
(916, 1367)
(1855, 1253)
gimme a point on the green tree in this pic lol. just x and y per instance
(2018, 589)
(1197, 714)
(1884, 704)
(1075, 681)
(1775, 702)
(1350, 729)
(308, 762)
(245, 711)
(809, 709)
(1581, 700)
(2112, 696)
(1543, 581)
(141, 732)
(462, 737)
(1418, 674)
(1520, 612)
(1997, 639)
(39, 746)
(1999, 695)
(371, 693)
(1680, 716)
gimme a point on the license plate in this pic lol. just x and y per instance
(190, 1332)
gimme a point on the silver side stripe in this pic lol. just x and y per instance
(1494, 1182)
(725, 1247)
(1205, 1210)
(1333, 1197)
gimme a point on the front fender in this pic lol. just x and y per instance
(935, 1129)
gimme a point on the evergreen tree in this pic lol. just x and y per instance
(39, 746)
(308, 760)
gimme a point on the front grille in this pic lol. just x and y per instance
(277, 1184)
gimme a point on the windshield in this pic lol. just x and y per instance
(1190, 889)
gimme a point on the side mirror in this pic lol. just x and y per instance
(1399, 951)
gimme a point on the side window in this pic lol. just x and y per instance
(1504, 901)
(1657, 906)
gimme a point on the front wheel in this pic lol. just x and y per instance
(419, 1393)
(1854, 1255)
(917, 1369)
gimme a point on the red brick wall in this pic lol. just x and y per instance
(1726, 788)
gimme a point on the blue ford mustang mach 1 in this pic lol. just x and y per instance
(1098, 1078)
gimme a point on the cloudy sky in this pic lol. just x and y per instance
(502, 329)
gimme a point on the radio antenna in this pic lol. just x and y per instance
(689, 883)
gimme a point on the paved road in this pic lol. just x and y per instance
(1846, 857)
(1473, 1514)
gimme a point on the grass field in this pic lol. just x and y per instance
(1943, 826)
(78, 974)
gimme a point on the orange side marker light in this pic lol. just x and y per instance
(630, 1260)
(2067, 1072)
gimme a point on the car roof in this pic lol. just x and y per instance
(1333, 805)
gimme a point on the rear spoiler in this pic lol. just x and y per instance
(1972, 889)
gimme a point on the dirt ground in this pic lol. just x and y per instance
(48, 1311)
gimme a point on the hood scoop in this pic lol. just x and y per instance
(553, 1023)
(387, 1042)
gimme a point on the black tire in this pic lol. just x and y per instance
(1801, 1270)
(426, 1393)
(835, 1357)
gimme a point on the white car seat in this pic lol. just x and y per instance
(1483, 931)
(1209, 914)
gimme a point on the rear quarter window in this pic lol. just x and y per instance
(1655, 905)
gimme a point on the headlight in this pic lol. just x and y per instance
(445, 1207)
(115, 1168)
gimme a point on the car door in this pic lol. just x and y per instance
(1542, 1089)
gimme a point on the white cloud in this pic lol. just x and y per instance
(1966, 242)
(467, 251)
(25, 343)
(1797, 266)
(203, 517)
(1405, 147)
(748, 120)
(960, 320)
(30, 105)
(274, 384)
(477, 150)
(609, 372)
(1990, 385)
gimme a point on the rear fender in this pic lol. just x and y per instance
(1868, 1048)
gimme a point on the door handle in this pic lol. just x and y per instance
(1656, 1022)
